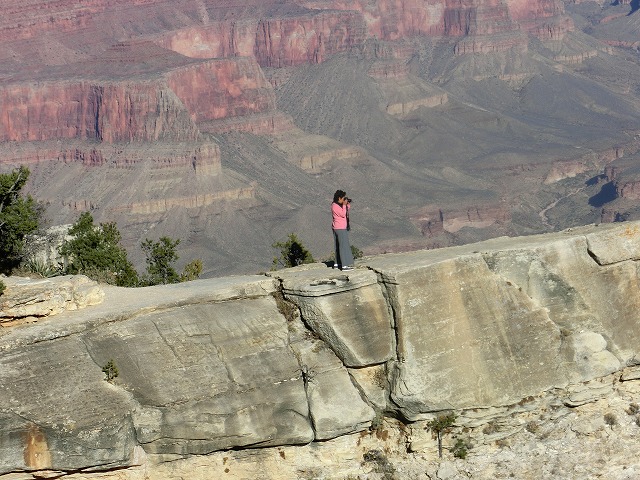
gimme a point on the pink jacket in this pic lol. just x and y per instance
(339, 216)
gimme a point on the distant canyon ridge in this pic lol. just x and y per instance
(229, 125)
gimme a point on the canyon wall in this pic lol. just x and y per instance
(311, 353)
(138, 92)
(133, 110)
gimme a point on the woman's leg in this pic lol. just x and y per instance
(336, 246)
(346, 258)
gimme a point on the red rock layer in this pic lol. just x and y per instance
(222, 89)
(135, 109)
(395, 19)
(544, 19)
(110, 112)
(201, 157)
(274, 42)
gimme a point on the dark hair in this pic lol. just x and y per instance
(338, 194)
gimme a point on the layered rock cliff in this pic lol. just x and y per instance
(491, 331)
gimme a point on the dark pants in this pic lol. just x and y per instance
(343, 249)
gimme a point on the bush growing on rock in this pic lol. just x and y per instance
(161, 257)
(192, 271)
(292, 253)
(110, 371)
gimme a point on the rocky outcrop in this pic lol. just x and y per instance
(326, 27)
(162, 205)
(222, 89)
(141, 91)
(433, 222)
(166, 108)
(545, 19)
(29, 300)
(488, 330)
(308, 37)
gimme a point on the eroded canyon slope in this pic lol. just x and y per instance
(230, 124)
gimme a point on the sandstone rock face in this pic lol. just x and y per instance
(357, 326)
(28, 299)
(223, 89)
(506, 327)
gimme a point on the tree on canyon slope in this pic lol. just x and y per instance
(161, 257)
(292, 253)
(95, 251)
(19, 216)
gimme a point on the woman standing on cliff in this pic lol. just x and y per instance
(340, 226)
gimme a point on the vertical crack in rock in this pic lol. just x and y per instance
(385, 287)
(291, 312)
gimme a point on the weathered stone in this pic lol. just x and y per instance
(214, 375)
(496, 331)
(56, 405)
(613, 246)
(586, 393)
(329, 387)
(466, 336)
(591, 355)
(346, 310)
(191, 379)
(26, 297)
(631, 373)
(374, 383)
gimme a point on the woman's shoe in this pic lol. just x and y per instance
(347, 267)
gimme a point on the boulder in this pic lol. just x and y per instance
(38, 298)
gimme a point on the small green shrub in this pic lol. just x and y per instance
(110, 370)
(95, 251)
(377, 422)
(356, 252)
(191, 271)
(532, 427)
(2, 287)
(19, 216)
(633, 409)
(461, 448)
(490, 428)
(381, 462)
(292, 253)
(161, 255)
(288, 309)
(610, 419)
(503, 443)
(42, 268)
